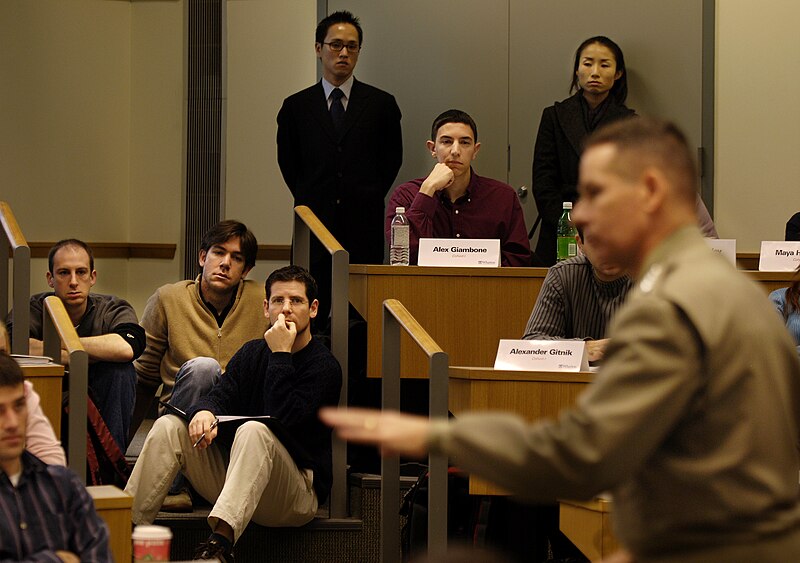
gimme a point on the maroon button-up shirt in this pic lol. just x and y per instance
(488, 209)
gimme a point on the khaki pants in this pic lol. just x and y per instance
(258, 481)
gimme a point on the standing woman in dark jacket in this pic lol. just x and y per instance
(601, 86)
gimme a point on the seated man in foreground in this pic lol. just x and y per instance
(579, 296)
(108, 329)
(692, 421)
(288, 375)
(454, 202)
(47, 513)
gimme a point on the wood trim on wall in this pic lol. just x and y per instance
(275, 252)
(115, 250)
(747, 260)
(158, 251)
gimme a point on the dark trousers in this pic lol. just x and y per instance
(112, 386)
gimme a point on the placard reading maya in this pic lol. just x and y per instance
(779, 256)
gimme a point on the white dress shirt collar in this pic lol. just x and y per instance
(345, 88)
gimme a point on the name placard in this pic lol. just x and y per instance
(542, 355)
(725, 247)
(451, 252)
(779, 256)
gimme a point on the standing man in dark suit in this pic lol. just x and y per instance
(339, 149)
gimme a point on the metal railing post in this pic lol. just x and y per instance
(55, 316)
(4, 257)
(340, 328)
(21, 285)
(22, 295)
(78, 411)
(395, 318)
(306, 226)
(437, 491)
(390, 466)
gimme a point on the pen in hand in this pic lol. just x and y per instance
(203, 435)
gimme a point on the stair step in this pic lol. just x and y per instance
(198, 517)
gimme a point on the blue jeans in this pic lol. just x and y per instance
(195, 378)
(113, 389)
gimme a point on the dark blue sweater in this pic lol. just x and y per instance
(289, 387)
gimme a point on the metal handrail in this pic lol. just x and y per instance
(13, 237)
(307, 224)
(58, 329)
(396, 317)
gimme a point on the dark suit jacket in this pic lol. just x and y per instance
(343, 178)
(555, 165)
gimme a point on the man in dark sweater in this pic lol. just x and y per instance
(275, 476)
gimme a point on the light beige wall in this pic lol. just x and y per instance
(757, 120)
(92, 129)
(270, 56)
(157, 137)
(65, 122)
(92, 122)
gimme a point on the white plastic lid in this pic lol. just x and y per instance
(399, 210)
(567, 205)
(151, 533)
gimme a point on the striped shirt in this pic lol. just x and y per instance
(49, 510)
(574, 304)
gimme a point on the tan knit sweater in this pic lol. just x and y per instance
(180, 327)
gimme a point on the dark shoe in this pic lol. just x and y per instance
(180, 502)
(213, 549)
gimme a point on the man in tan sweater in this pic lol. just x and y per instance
(194, 327)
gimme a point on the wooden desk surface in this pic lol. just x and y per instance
(46, 381)
(532, 395)
(770, 281)
(466, 310)
(114, 505)
(535, 395)
(588, 526)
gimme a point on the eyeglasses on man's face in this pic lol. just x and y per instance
(336, 46)
(278, 301)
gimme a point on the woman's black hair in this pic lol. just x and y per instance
(619, 92)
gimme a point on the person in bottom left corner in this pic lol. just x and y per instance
(48, 514)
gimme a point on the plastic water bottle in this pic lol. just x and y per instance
(399, 244)
(567, 244)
